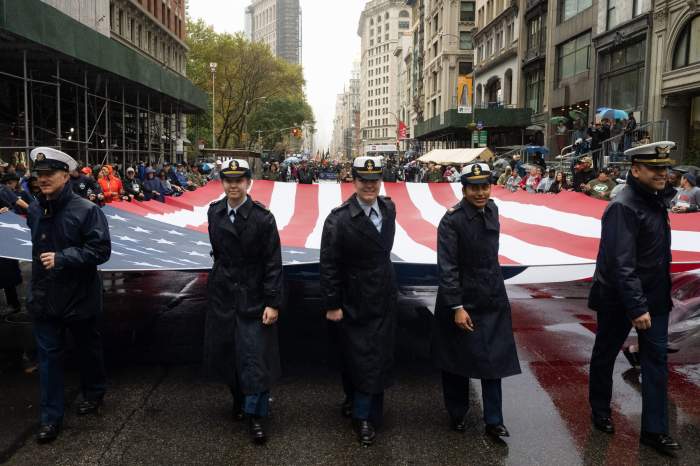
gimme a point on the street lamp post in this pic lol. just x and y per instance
(213, 66)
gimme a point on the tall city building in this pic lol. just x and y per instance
(276, 23)
(381, 24)
(346, 140)
(155, 28)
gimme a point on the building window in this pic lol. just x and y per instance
(404, 14)
(404, 25)
(465, 67)
(611, 16)
(466, 41)
(120, 22)
(687, 51)
(621, 78)
(636, 8)
(466, 11)
(139, 37)
(570, 8)
(573, 57)
(536, 33)
(534, 90)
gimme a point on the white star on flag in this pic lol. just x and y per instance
(154, 250)
(163, 241)
(195, 253)
(144, 264)
(139, 230)
(294, 252)
(117, 217)
(24, 242)
(168, 261)
(13, 226)
(118, 253)
(189, 261)
(174, 232)
(201, 243)
(126, 238)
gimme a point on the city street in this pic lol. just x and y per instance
(159, 410)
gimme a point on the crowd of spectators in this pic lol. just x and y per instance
(104, 184)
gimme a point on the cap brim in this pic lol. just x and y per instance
(234, 176)
(478, 180)
(368, 176)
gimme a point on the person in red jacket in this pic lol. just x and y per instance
(111, 185)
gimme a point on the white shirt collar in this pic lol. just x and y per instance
(367, 207)
(234, 209)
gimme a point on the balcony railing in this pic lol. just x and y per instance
(497, 115)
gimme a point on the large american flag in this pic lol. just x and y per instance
(544, 238)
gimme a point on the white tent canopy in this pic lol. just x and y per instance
(456, 156)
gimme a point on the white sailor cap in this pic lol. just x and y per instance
(236, 168)
(49, 159)
(656, 154)
(476, 173)
(367, 168)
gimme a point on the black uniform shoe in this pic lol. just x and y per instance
(237, 411)
(632, 358)
(660, 442)
(88, 407)
(603, 424)
(365, 431)
(47, 433)
(458, 424)
(255, 428)
(497, 430)
(346, 408)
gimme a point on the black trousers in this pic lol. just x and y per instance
(50, 342)
(455, 389)
(613, 329)
(12, 297)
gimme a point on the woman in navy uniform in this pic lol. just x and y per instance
(70, 238)
(245, 295)
(473, 337)
(632, 288)
(359, 292)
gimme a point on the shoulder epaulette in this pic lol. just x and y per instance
(341, 206)
(261, 205)
(216, 202)
(386, 198)
(454, 209)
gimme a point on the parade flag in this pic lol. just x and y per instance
(403, 130)
(544, 238)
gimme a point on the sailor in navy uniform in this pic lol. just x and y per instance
(359, 292)
(473, 337)
(632, 288)
(245, 296)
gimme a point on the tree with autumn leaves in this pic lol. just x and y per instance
(256, 93)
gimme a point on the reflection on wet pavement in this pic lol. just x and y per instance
(160, 411)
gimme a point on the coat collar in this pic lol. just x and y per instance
(363, 224)
(662, 197)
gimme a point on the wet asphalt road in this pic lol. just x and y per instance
(159, 410)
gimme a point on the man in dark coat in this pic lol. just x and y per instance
(359, 293)
(245, 290)
(86, 187)
(473, 335)
(70, 238)
(632, 287)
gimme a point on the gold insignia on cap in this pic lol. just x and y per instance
(476, 170)
(233, 165)
(40, 157)
(663, 149)
(369, 165)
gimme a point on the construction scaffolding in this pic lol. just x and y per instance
(94, 116)
(65, 86)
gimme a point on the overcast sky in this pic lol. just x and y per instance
(329, 45)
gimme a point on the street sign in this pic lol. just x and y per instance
(464, 109)
(479, 125)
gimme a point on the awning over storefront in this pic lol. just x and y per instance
(457, 156)
(44, 25)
